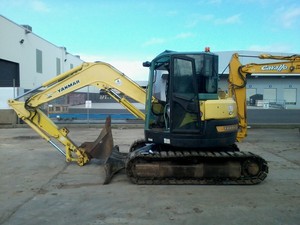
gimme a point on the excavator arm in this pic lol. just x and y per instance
(238, 79)
(100, 75)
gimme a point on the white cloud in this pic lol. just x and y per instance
(213, 2)
(39, 6)
(290, 17)
(159, 41)
(154, 41)
(90, 58)
(131, 68)
(234, 19)
(210, 2)
(183, 35)
(35, 5)
(196, 19)
(172, 13)
(270, 48)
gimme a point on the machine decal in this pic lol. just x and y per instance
(68, 86)
(276, 68)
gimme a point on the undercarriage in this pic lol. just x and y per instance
(150, 163)
(155, 164)
(158, 164)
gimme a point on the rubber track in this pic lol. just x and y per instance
(203, 156)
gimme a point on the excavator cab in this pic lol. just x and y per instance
(180, 83)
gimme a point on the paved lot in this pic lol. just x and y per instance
(38, 187)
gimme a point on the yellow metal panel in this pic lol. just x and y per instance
(218, 109)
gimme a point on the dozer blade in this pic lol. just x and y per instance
(114, 164)
(103, 149)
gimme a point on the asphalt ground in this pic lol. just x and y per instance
(39, 187)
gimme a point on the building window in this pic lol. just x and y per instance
(39, 61)
(71, 66)
(290, 96)
(58, 66)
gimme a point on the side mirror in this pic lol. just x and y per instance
(146, 64)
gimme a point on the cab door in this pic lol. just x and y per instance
(183, 92)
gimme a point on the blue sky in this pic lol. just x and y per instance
(126, 32)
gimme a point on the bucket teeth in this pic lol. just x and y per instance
(102, 147)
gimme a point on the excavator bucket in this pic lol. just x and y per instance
(103, 149)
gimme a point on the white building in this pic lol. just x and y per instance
(27, 60)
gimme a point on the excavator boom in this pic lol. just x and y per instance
(238, 79)
(100, 75)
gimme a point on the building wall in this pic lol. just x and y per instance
(280, 90)
(20, 45)
(284, 89)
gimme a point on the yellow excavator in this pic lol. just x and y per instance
(190, 125)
